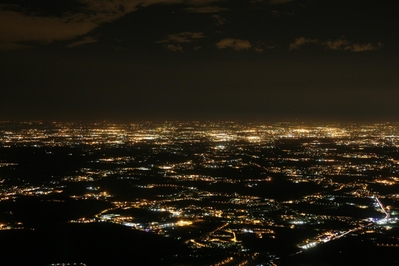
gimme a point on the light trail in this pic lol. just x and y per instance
(387, 215)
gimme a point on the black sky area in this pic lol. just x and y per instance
(133, 60)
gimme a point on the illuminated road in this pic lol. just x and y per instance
(234, 239)
(366, 225)
(387, 215)
(217, 229)
(342, 234)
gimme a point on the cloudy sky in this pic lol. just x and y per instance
(128, 60)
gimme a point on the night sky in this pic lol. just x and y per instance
(128, 60)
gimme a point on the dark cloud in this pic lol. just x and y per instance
(10, 46)
(343, 44)
(236, 44)
(183, 37)
(173, 41)
(85, 40)
(206, 9)
(171, 58)
(301, 41)
(272, 1)
(280, 1)
(17, 25)
(174, 47)
(219, 20)
(338, 44)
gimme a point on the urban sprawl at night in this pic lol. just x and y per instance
(200, 193)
